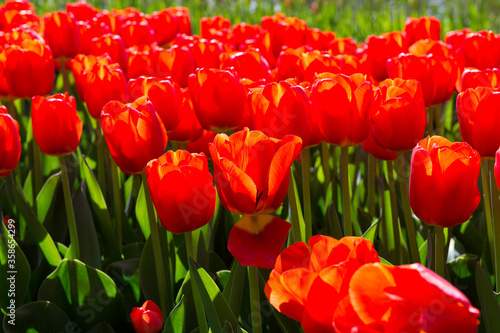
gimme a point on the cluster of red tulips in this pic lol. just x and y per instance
(253, 99)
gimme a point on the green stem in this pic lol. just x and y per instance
(325, 159)
(101, 159)
(306, 191)
(346, 197)
(37, 171)
(410, 224)
(198, 304)
(65, 76)
(158, 258)
(430, 121)
(496, 217)
(294, 218)
(439, 251)
(117, 204)
(487, 208)
(253, 279)
(73, 233)
(393, 230)
(371, 185)
(438, 110)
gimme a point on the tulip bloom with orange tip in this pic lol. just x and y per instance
(206, 53)
(201, 144)
(56, 125)
(89, 30)
(379, 49)
(162, 93)
(189, 128)
(140, 60)
(443, 181)
(218, 98)
(61, 33)
(82, 63)
(479, 118)
(398, 118)
(183, 19)
(81, 10)
(481, 49)
(147, 319)
(422, 28)
(176, 62)
(10, 142)
(308, 280)
(319, 39)
(112, 45)
(249, 64)
(243, 32)
(455, 38)
(281, 109)
(165, 26)
(134, 133)
(208, 24)
(284, 31)
(137, 33)
(29, 69)
(289, 63)
(182, 190)
(252, 170)
(101, 84)
(407, 298)
(316, 62)
(497, 168)
(347, 123)
(342, 46)
(370, 146)
(473, 78)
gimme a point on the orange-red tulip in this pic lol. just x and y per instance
(289, 63)
(370, 146)
(88, 30)
(473, 78)
(114, 46)
(398, 118)
(82, 63)
(183, 19)
(10, 142)
(218, 99)
(61, 33)
(201, 144)
(456, 37)
(101, 84)
(244, 32)
(163, 94)
(137, 33)
(315, 62)
(189, 128)
(249, 64)
(176, 62)
(56, 125)
(134, 133)
(481, 49)
(443, 181)
(182, 190)
(497, 167)
(308, 281)
(479, 118)
(422, 28)
(147, 319)
(29, 69)
(217, 23)
(284, 31)
(81, 10)
(252, 170)
(342, 46)
(348, 123)
(165, 26)
(408, 298)
(206, 53)
(140, 60)
(318, 39)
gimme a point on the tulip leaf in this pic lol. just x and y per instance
(141, 212)
(39, 316)
(176, 319)
(101, 211)
(490, 309)
(372, 231)
(234, 288)
(127, 276)
(216, 307)
(46, 196)
(87, 295)
(14, 267)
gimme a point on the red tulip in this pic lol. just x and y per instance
(315, 62)
(370, 146)
(183, 19)
(140, 60)
(165, 26)
(5, 94)
(114, 46)
(481, 50)
(82, 63)
(443, 181)
(176, 62)
(249, 64)
(348, 123)
(479, 118)
(407, 298)
(318, 39)
(422, 28)
(244, 32)
(10, 142)
(189, 128)
(201, 144)
(164, 96)
(182, 190)
(14, 18)
(61, 33)
(56, 125)
(213, 23)
(206, 53)
(497, 167)
(89, 30)
(342, 46)
(81, 10)
(473, 78)
(399, 117)
(147, 319)
(218, 99)
(29, 69)
(252, 170)
(308, 281)
(137, 33)
(284, 31)
(101, 84)
(134, 133)
(290, 63)
(281, 109)
(456, 37)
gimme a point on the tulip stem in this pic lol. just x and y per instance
(346, 197)
(371, 185)
(253, 279)
(439, 251)
(101, 177)
(410, 224)
(496, 217)
(294, 218)
(158, 258)
(117, 204)
(438, 109)
(487, 208)
(68, 201)
(36, 175)
(393, 231)
(325, 158)
(65, 77)
(198, 304)
(306, 191)
(430, 120)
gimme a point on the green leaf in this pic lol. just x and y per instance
(46, 196)
(127, 272)
(490, 309)
(216, 307)
(371, 232)
(101, 211)
(141, 212)
(87, 295)
(176, 319)
(40, 316)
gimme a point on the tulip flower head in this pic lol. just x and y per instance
(147, 319)
(422, 28)
(10, 142)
